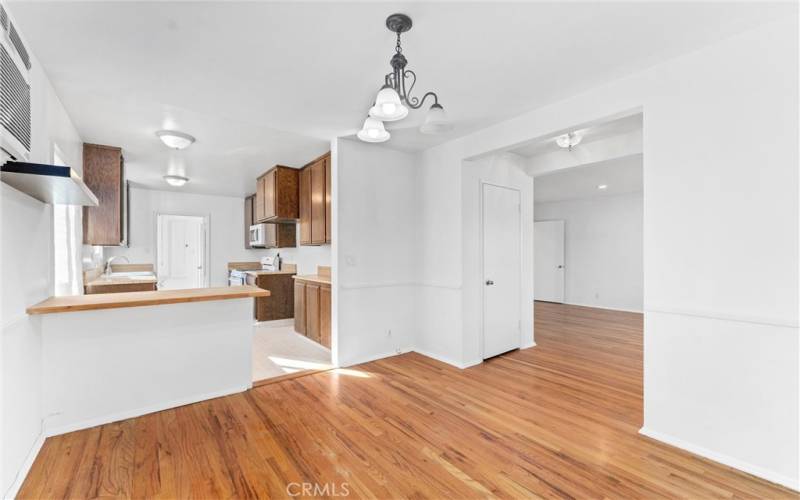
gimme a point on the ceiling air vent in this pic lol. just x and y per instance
(15, 101)
(3, 18)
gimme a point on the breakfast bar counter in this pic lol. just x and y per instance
(137, 299)
(112, 356)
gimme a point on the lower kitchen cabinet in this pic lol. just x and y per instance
(281, 302)
(312, 311)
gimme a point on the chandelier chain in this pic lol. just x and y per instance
(397, 47)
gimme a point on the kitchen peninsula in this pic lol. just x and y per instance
(118, 355)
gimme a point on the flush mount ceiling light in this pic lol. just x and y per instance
(602, 187)
(568, 140)
(176, 180)
(394, 99)
(174, 139)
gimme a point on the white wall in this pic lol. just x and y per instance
(720, 240)
(603, 249)
(27, 277)
(377, 259)
(226, 233)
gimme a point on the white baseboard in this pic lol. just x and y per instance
(723, 459)
(528, 345)
(138, 412)
(275, 323)
(367, 359)
(595, 306)
(22, 473)
(438, 357)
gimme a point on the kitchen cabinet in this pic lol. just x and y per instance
(103, 173)
(300, 307)
(305, 206)
(280, 303)
(312, 306)
(249, 217)
(312, 312)
(281, 235)
(277, 195)
(325, 315)
(315, 202)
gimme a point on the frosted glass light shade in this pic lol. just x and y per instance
(388, 107)
(176, 180)
(373, 131)
(436, 121)
(174, 139)
(568, 140)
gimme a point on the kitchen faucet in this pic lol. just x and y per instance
(108, 263)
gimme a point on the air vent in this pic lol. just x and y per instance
(3, 18)
(17, 42)
(15, 100)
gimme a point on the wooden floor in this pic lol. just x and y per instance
(556, 420)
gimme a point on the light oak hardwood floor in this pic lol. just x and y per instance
(557, 420)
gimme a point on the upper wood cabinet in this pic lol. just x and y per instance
(103, 173)
(315, 201)
(305, 206)
(258, 203)
(249, 217)
(277, 195)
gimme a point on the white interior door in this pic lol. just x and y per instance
(181, 252)
(548, 260)
(502, 267)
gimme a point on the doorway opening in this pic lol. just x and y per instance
(182, 251)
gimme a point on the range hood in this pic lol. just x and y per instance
(48, 183)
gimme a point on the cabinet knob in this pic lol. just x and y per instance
(489, 282)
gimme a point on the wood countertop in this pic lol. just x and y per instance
(137, 299)
(314, 278)
(261, 272)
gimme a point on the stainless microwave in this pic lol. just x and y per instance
(258, 235)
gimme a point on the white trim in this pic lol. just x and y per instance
(397, 284)
(595, 306)
(726, 316)
(722, 458)
(528, 345)
(23, 471)
(137, 412)
(206, 237)
(275, 323)
(371, 358)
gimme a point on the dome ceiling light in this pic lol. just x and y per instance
(394, 99)
(174, 139)
(568, 140)
(176, 180)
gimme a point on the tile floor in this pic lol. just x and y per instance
(279, 350)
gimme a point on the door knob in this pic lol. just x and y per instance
(489, 282)
(560, 267)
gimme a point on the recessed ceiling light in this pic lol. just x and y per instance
(602, 187)
(176, 180)
(174, 139)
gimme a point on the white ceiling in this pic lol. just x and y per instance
(621, 175)
(263, 83)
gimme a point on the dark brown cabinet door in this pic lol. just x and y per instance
(248, 219)
(318, 203)
(103, 174)
(269, 195)
(328, 231)
(305, 206)
(259, 202)
(325, 316)
(312, 312)
(300, 307)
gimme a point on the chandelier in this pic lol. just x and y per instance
(394, 98)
